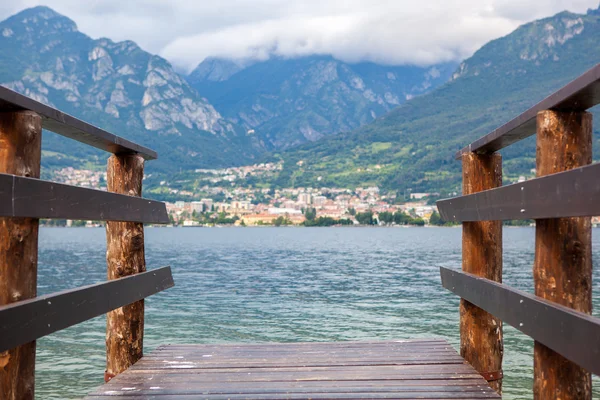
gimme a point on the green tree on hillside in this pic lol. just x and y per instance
(366, 218)
(310, 214)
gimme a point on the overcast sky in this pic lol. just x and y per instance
(384, 31)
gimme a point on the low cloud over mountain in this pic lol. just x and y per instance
(383, 31)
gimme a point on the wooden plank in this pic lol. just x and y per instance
(578, 95)
(562, 268)
(302, 396)
(464, 384)
(312, 347)
(31, 319)
(571, 333)
(260, 362)
(198, 393)
(333, 366)
(20, 154)
(312, 386)
(71, 127)
(35, 198)
(371, 388)
(573, 193)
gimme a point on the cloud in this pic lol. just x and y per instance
(384, 31)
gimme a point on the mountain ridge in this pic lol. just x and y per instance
(117, 86)
(288, 101)
(413, 146)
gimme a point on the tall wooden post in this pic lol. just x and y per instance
(563, 257)
(124, 256)
(20, 154)
(480, 332)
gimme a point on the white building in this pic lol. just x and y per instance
(319, 200)
(304, 198)
(282, 211)
(197, 206)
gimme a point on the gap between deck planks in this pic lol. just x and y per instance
(401, 369)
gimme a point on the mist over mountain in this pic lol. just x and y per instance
(413, 146)
(331, 122)
(230, 113)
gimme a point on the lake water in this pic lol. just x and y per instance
(280, 285)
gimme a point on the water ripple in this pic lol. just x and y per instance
(279, 285)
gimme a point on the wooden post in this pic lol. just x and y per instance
(480, 332)
(124, 256)
(20, 154)
(563, 257)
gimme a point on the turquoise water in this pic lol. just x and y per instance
(280, 285)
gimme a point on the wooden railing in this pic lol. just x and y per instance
(563, 197)
(24, 199)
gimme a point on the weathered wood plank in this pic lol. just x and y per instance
(261, 362)
(312, 396)
(71, 127)
(166, 373)
(573, 193)
(31, 319)
(333, 369)
(578, 95)
(402, 384)
(35, 198)
(571, 333)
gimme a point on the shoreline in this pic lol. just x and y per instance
(288, 226)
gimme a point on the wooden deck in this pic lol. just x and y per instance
(402, 369)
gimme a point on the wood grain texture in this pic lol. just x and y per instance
(300, 371)
(20, 154)
(563, 259)
(480, 332)
(124, 257)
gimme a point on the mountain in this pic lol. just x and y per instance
(413, 146)
(119, 87)
(287, 102)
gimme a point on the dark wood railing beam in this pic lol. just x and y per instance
(580, 94)
(35, 198)
(573, 193)
(32, 319)
(571, 333)
(66, 125)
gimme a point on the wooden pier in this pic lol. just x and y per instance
(561, 199)
(402, 369)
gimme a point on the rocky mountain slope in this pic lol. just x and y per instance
(413, 146)
(117, 86)
(287, 102)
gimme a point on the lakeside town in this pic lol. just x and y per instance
(220, 203)
(224, 200)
